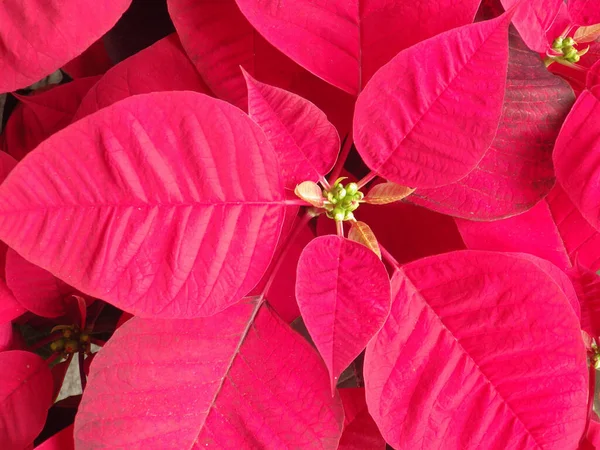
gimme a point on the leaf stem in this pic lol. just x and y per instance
(343, 156)
(339, 227)
(82, 376)
(365, 180)
(47, 340)
(296, 202)
(300, 224)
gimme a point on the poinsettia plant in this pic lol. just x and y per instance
(341, 224)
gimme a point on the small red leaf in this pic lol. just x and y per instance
(440, 135)
(240, 379)
(306, 143)
(175, 211)
(584, 12)
(517, 170)
(470, 357)
(532, 18)
(161, 67)
(38, 37)
(343, 293)
(361, 232)
(25, 396)
(577, 156)
(360, 431)
(63, 440)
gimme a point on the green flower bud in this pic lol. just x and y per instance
(71, 346)
(339, 214)
(352, 188)
(558, 43)
(341, 192)
(353, 206)
(571, 53)
(349, 215)
(57, 345)
(569, 42)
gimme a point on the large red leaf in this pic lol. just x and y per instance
(306, 143)
(41, 115)
(38, 37)
(532, 19)
(240, 379)
(219, 40)
(345, 42)
(63, 440)
(587, 285)
(168, 204)
(360, 431)
(161, 67)
(584, 12)
(443, 101)
(94, 61)
(577, 156)
(25, 396)
(343, 293)
(481, 350)
(36, 289)
(517, 170)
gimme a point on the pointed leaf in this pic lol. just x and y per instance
(577, 156)
(517, 170)
(345, 42)
(383, 193)
(587, 34)
(532, 19)
(361, 232)
(440, 135)
(239, 379)
(179, 218)
(310, 192)
(360, 431)
(584, 12)
(161, 67)
(343, 293)
(38, 37)
(463, 360)
(63, 440)
(306, 143)
(25, 396)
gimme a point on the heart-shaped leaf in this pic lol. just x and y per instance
(306, 143)
(470, 357)
(39, 36)
(584, 12)
(345, 41)
(440, 135)
(25, 396)
(517, 170)
(240, 379)
(343, 293)
(169, 203)
(161, 67)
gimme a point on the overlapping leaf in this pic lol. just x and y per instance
(517, 170)
(360, 431)
(470, 357)
(240, 379)
(532, 19)
(345, 42)
(584, 12)
(440, 135)
(168, 203)
(63, 440)
(343, 293)
(25, 396)
(161, 67)
(306, 143)
(38, 37)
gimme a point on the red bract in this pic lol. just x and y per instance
(584, 12)
(140, 214)
(532, 19)
(63, 440)
(440, 135)
(469, 333)
(38, 37)
(360, 431)
(25, 396)
(340, 314)
(239, 379)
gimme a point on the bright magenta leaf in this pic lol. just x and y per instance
(10, 339)
(94, 61)
(240, 379)
(41, 115)
(219, 40)
(587, 285)
(345, 42)
(593, 75)
(161, 67)
(592, 438)
(470, 357)
(577, 156)
(343, 293)
(360, 431)
(38, 37)
(63, 440)
(517, 170)
(36, 289)
(584, 12)
(25, 396)
(532, 19)
(169, 204)
(438, 136)
(306, 143)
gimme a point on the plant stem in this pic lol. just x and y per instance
(339, 226)
(370, 176)
(387, 256)
(304, 219)
(296, 202)
(46, 340)
(339, 165)
(82, 376)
